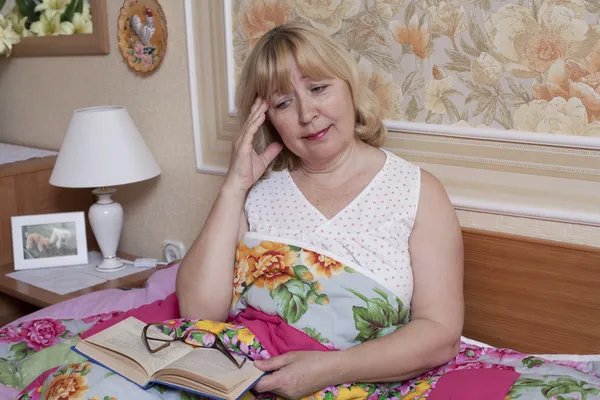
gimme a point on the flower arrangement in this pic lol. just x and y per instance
(42, 18)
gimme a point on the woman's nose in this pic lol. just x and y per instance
(307, 111)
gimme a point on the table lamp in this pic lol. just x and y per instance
(103, 148)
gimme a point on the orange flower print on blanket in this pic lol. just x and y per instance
(274, 262)
(68, 385)
(242, 276)
(279, 268)
(242, 252)
(321, 265)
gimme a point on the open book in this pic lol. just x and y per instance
(204, 371)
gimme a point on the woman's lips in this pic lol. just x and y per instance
(318, 135)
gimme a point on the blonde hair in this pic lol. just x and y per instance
(267, 70)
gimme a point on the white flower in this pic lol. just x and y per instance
(19, 25)
(8, 37)
(388, 8)
(327, 15)
(81, 23)
(86, 10)
(434, 93)
(558, 116)
(447, 18)
(486, 69)
(383, 86)
(49, 24)
(52, 5)
(18, 22)
(532, 44)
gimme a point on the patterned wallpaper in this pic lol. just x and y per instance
(176, 204)
(527, 65)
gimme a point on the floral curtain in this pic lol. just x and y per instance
(526, 65)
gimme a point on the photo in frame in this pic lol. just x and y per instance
(60, 28)
(49, 240)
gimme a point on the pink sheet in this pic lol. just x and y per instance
(158, 311)
(474, 384)
(275, 334)
(159, 285)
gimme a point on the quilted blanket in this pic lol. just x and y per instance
(285, 297)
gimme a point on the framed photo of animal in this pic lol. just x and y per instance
(49, 240)
(142, 34)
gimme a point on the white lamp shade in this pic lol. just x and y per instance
(102, 148)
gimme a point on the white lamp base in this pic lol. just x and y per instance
(106, 219)
(110, 265)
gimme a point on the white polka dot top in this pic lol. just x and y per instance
(371, 232)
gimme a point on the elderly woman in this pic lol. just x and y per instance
(356, 236)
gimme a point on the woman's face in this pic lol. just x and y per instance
(316, 120)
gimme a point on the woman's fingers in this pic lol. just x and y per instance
(255, 111)
(261, 110)
(257, 102)
(254, 124)
(271, 152)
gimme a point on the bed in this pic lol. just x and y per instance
(531, 296)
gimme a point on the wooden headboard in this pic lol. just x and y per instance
(531, 295)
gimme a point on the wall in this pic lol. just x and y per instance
(38, 96)
(519, 187)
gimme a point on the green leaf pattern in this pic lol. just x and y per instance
(379, 317)
(562, 387)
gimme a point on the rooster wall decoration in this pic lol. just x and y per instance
(142, 34)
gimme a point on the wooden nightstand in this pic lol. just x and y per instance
(19, 298)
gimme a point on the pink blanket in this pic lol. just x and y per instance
(275, 334)
(158, 286)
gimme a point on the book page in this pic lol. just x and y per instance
(125, 337)
(212, 368)
(196, 387)
(121, 364)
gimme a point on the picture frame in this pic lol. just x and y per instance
(49, 240)
(95, 43)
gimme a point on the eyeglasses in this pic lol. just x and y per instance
(158, 336)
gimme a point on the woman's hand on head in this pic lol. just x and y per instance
(246, 166)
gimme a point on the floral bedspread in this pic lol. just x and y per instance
(42, 348)
(306, 289)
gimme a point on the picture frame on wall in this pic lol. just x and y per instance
(95, 42)
(49, 240)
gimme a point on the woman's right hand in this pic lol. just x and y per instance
(246, 166)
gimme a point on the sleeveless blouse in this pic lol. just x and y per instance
(371, 233)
